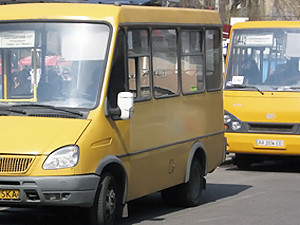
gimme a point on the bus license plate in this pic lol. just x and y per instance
(270, 143)
(9, 194)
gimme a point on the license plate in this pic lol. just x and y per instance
(270, 143)
(9, 194)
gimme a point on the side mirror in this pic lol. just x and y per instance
(125, 103)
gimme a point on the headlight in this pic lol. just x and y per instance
(227, 119)
(64, 157)
(236, 125)
(232, 123)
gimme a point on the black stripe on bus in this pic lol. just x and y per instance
(168, 145)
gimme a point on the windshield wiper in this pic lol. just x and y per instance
(50, 107)
(294, 88)
(12, 110)
(285, 88)
(245, 86)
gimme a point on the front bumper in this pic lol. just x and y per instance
(77, 190)
(247, 143)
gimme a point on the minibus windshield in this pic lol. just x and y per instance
(54, 64)
(266, 58)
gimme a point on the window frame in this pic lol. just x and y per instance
(208, 28)
(137, 98)
(176, 29)
(201, 53)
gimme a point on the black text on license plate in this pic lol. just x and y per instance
(270, 143)
(9, 194)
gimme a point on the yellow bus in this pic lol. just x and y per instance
(261, 91)
(102, 104)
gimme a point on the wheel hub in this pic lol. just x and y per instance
(111, 201)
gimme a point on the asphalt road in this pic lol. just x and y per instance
(268, 194)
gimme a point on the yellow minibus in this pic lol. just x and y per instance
(102, 104)
(262, 91)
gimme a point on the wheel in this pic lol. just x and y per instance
(107, 205)
(242, 161)
(189, 194)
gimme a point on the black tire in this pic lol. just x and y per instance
(107, 205)
(189, 194)
(243, 161)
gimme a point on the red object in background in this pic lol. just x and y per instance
(226, 30)
(50, 60)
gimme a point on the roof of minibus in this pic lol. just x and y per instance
(266, 24)
(110, 13)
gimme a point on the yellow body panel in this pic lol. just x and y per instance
(170, 121)
(38, 136)
(250, 106)
(266, 24)
(110, 13)
(254, 107)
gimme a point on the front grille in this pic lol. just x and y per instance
(271, 128)
(15, 164)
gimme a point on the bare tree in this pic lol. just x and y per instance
(284, 10)
(253, 9)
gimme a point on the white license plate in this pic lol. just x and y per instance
(270, 143)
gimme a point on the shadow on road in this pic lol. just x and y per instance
(149, 208)
(280, 166)
(216, 192)
(152, 208)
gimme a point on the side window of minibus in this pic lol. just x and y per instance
(192, 69)
(213, 60)
(117, 82)
(165, 62)
(138, 63)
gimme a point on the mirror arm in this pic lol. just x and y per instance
(114, 113)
